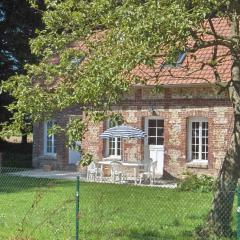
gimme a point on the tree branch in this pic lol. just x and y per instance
(200, 44)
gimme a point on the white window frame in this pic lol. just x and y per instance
(53, 139)
(200, 120)
(156, 136)
(115, 156)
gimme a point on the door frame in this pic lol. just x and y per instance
(146, 146)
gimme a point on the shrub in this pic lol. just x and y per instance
(86, 159)
(15, 147)
(192, 182)
(16, 160)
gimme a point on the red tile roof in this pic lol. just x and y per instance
(192, 70)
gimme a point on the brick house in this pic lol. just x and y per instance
(188, 125)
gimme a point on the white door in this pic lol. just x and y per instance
(74, 156)
(154, 144)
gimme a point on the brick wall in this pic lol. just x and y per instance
(60, 161)
(175, 106)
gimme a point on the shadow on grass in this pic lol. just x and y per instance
(168, 235)
(11, 184)
(138, 234)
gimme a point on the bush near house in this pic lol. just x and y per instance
(16, 155)
(16, 160)
(192, 182)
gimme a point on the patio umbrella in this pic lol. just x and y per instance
(123, 131)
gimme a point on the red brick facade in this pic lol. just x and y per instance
(175, 106)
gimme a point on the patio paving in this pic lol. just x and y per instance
(69, 175)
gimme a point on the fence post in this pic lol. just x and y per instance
(77, 207)
(238, 212)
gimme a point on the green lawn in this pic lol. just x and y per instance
(45, 209)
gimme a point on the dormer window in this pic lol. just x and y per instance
(179, 60)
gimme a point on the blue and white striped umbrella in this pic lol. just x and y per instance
(123, 131)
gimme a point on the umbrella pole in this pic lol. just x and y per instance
(122, 155)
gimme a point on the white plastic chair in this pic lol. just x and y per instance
(116, 171)
(149, 173)
(92, 171)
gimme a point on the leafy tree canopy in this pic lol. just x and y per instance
(87, 52)
(113, 37)
(18, 22)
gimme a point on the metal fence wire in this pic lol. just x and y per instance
(49, 207)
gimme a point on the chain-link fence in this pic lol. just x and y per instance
(43, 206)
(35, 207)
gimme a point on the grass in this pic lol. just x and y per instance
(45, 209)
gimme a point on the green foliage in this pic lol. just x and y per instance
(116, 118)
(74, 131)
(192, 182)
(18, 22)
(113, 37)
(86, 159)
(16, 155)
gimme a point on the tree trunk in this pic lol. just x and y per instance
(219, 218)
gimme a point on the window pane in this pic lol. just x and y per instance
(160, 132)
(111, 146)
(152, 141)
(54, 148)
(160, 141)
(49, 146)
(152, 123)
(119, 152)
(152, 132)
(119, 146)
(160, 123)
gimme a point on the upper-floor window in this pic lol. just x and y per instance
(198, 139)
(176, 61)
(49, 139)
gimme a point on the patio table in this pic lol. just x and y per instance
(134, 165)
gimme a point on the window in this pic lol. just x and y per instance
(198, 139)
(114, 144)
(155, 132)
(49, 139)
(176, 62)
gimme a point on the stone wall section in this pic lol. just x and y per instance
(60, 160)
(92, 143)
(176, 106)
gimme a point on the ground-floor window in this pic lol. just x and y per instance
(49, 139)
(113, 144)
(198, 139)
